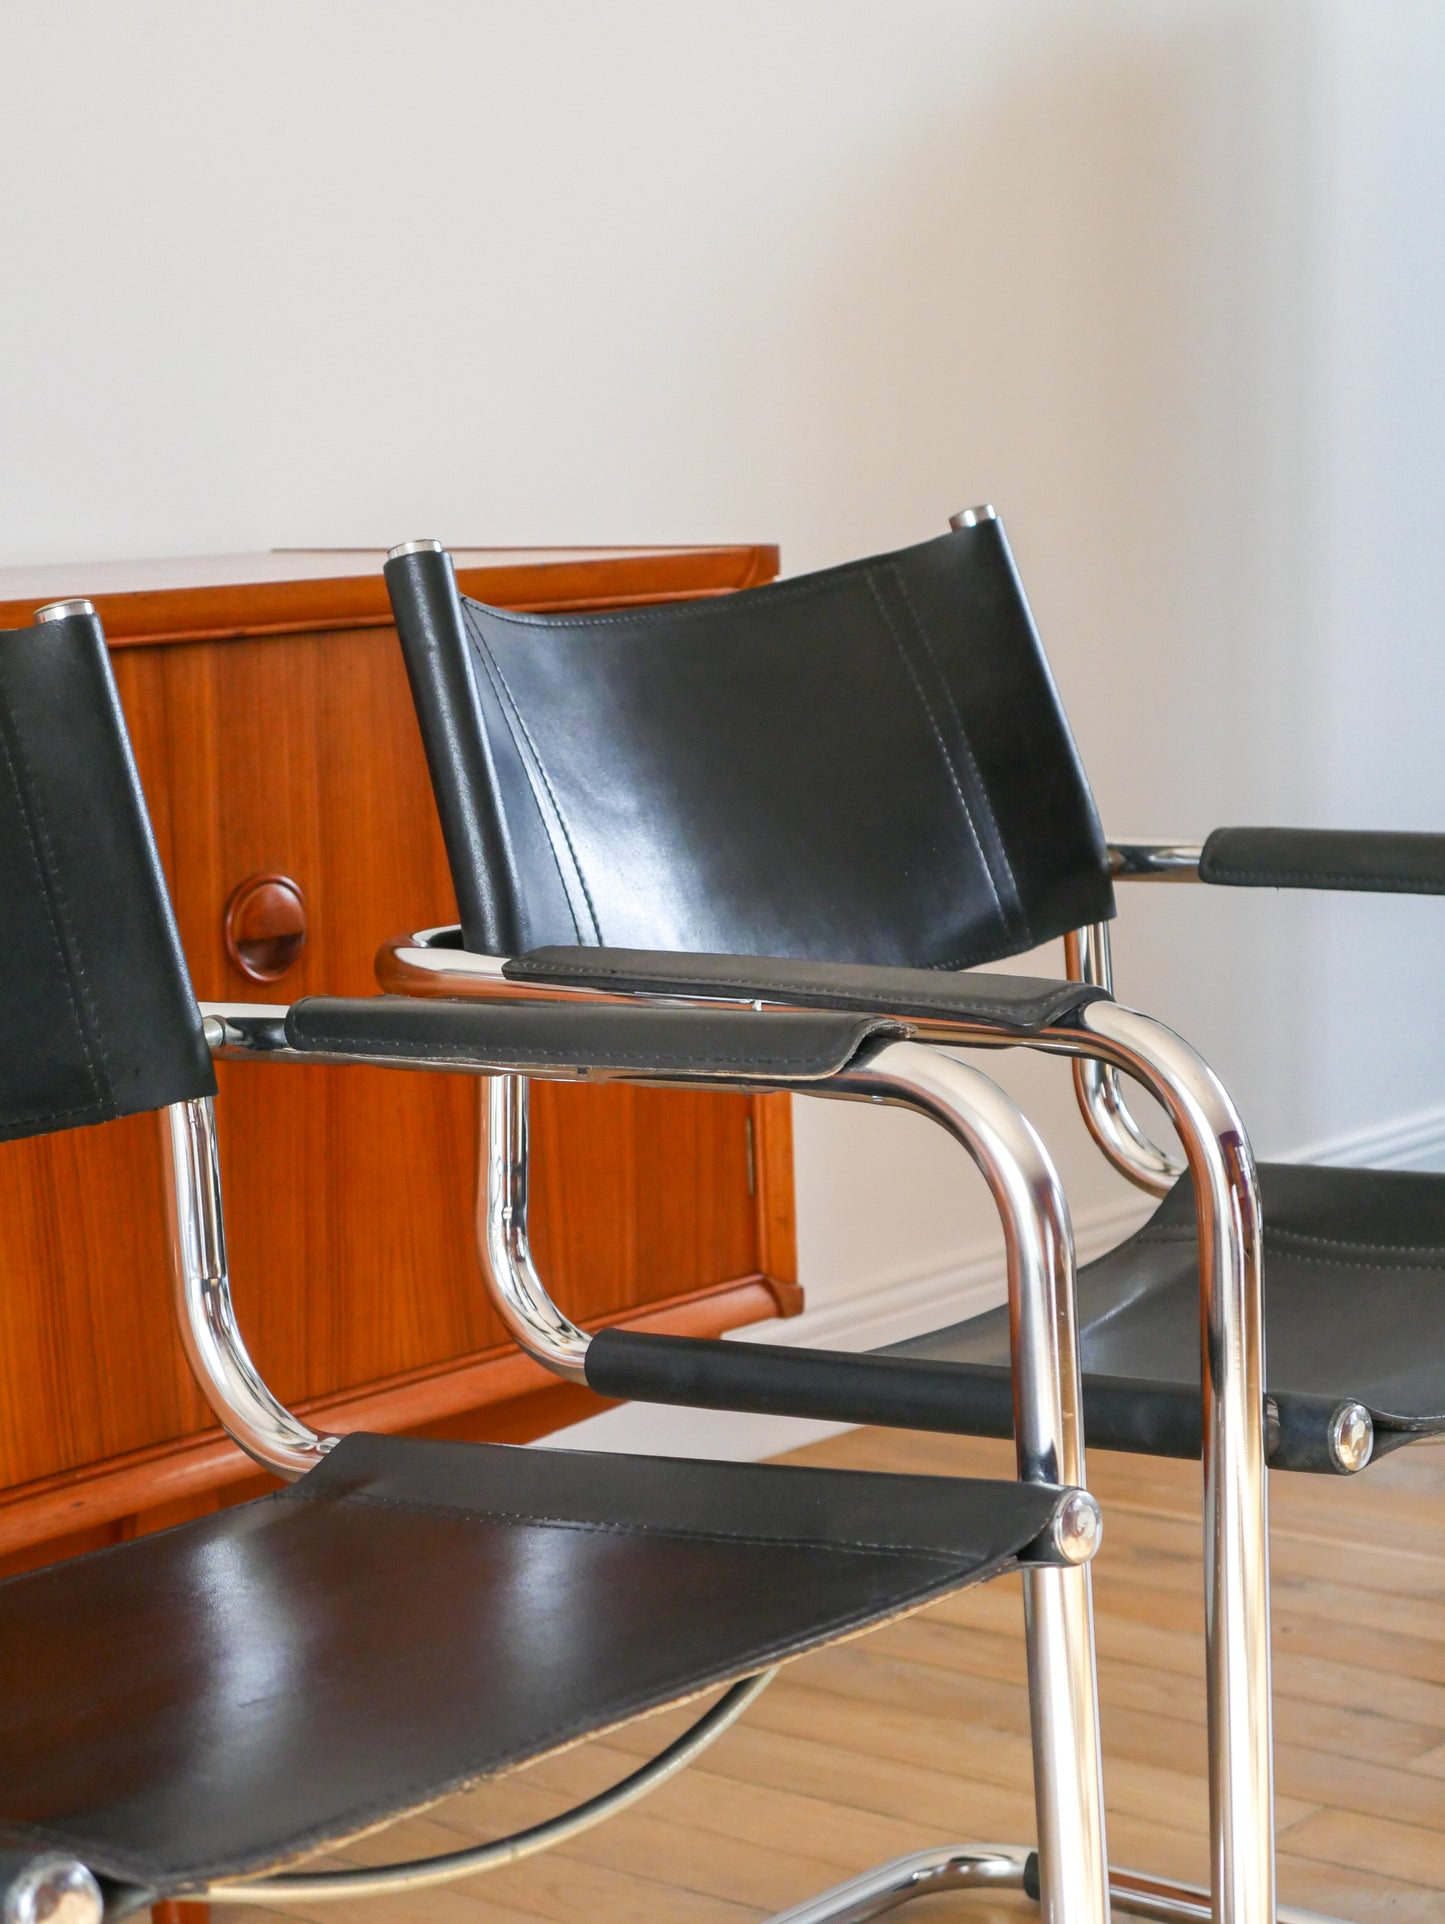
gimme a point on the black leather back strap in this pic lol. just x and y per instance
(1363, 861)
(97, 1018)
(707, 774)
(568, 1038)
(1021, 1003)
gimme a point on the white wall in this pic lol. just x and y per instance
(1161, 278)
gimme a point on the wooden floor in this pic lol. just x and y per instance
(917, 1733)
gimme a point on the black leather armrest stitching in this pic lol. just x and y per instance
(363, 1049)
(1370, 861)
(1318, 878)
(1053, 1003)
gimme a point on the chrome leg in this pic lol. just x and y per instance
(518, 1293)
(954, 1867)
(1058, 1607)
(215, 1350)
(1168, 1903)
(1002, 1867)
(1047, 1404)
(1236, 1560)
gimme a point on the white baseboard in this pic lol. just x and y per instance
(889, 1312)
(1409, 1142)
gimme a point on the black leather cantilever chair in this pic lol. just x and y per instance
(838, 792)
(192, 1712)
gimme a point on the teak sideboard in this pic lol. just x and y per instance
(272, 723)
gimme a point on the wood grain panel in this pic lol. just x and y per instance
(349, 1191)
(291, 590)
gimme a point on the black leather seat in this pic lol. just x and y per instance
(408, 1617)
(1354, 1269)
(412, 1617)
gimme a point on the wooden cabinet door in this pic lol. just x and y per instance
(349, 1191)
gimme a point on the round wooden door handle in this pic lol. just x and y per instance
(265, 926)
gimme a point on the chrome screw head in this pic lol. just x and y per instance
(54, 1890)
(1352, 1437)
(1078, 1527)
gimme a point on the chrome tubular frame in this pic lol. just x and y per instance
(1049, 1440)
(1133, 861)
(283, 1444)
(1086, 958)
(1047, 1418)
(1235, 1517)
(229, 1380)
(1106, 1111)
(1236, 1532)
(423, 1873)
(517, 1291)
(1058, 1606)
(952, 1867)
(1002, 1867)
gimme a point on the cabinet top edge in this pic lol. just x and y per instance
(293, 590)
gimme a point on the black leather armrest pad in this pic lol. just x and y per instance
(770, 1380)
(560, 1038)
(1022, 1003)
(1325, 858)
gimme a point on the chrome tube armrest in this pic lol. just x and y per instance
(1135, 861)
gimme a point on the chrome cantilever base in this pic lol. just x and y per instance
(950, 1867)
(1002, 1867)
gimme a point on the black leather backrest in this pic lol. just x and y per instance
(97, 1018)
(868, 764)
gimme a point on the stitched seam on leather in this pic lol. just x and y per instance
(1404, 883)
(495, 668)
(989, 1012)
(1276, 1236)
(1348, 1242)
(799, 590)
(505, 702)
(49, 892)
(95, 1035)
(845, 1546)
(927, 706)
(99, 1109)
(981, 793)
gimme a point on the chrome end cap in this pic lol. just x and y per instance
(63, 610)
(1078, 1527)
(415, 547)
(971, 517)
(54, 1890)
(1352, 1438)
